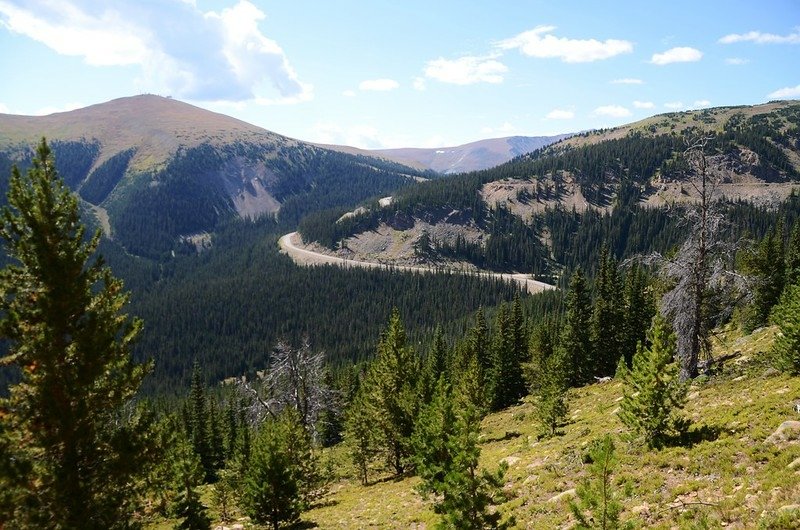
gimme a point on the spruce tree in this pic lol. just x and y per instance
(653, 392)
(640, 308)
(68, 422)
(361, 436)
(446, 454)
(607, 317)
(598, 504)
(272, 486)
(189, 475)
(768, 266)
(198, 422)
(551, 397)
(792, 265)
(576, 337)
(786, 348)
(391, 385)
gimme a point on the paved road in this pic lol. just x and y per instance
(302, 256)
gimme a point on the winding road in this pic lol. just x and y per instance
(290, 244)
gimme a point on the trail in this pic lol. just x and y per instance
(302, 256)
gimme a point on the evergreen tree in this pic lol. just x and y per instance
(607, 316)
(272, 489)
(506, 385)
(639, 311)
(544, 339)
(768, 266)
(653, 392)
(576, 338)
(786, 348)
(189, 474)
(551, 398)
(391, 385)
(598, 506)
(198, 424)
(478, 343)
(435, 366)
(360, 436)
(446, 454)
(68, 422)
(793, 256)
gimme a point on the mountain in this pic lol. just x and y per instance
(473, 156)
(553, 208)
(161, 173)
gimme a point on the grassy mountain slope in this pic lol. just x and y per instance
(728, 475)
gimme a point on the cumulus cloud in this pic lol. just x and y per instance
(182, 51)
(761, 38)
(785, 93)
(560, 114)
(674, 105)
(466, 70)
(643, 104)
(539, 42)
(612, 111)
(681, 54)
(4, 109)
(736, 61)
(627, 81)
(700, 103)
(378, 85)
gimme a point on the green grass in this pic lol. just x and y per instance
(731, 479)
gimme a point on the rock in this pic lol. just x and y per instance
(788, 431)
(795, 464)
(693, 395)
(770, 372)
(740, 378)
(510, 460)
(642, 509)
(789, 507)
(570, 493)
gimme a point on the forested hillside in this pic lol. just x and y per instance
(164, 171)
(552, 209)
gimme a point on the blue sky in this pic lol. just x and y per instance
(403, 73)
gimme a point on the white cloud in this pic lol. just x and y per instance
(349, 93)
(674, 105)
(681, 54)
(560, 114)
(378, 85)
(643, 104)
(736, 61)
(538, 42)
(700, 103)
(419, 83)
(212, 56)
(4, 109)
(613, 111)
(627, 81)
(761, 38)
(507, 128)
(785, 93)
(466, 70)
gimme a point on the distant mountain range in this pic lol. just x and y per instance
(473, 156)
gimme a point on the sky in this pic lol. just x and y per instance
(403, 73)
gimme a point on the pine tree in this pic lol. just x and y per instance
(768, 266)
(391, 385)
(543, 341)
(576, 337)
(607, 317)
(478, 342)
(446, 454)
(189, 475)
(598, 505)
(792, 266)
(360, 436)
(435, 366)
(272, 489)
(69, 419)
(786, 348)
(639, 311)
(653, 393)
(551, 398)
(198, 422)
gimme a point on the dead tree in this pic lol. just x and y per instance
(705, 287)
(295, 379)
